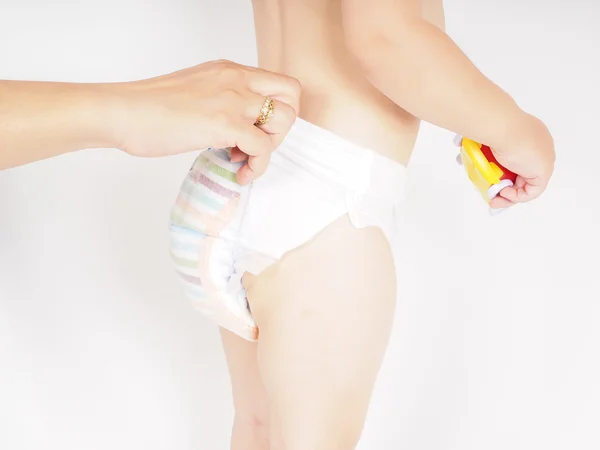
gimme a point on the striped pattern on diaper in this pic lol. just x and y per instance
(203, 257)
(185, 244)
(207, 190)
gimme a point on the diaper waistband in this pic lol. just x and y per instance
(336, 159)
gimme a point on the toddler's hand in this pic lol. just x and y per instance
(528, 152)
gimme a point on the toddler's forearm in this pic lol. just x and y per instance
(422, 70)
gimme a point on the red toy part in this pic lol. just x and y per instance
(506, 174)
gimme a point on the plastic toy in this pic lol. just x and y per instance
(482, 168)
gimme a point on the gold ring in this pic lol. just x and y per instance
(266, 112)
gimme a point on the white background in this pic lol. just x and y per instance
(496, 338)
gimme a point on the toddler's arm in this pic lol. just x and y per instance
(421, 69)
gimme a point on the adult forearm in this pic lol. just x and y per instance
(423, 71)
(214, 104)
(39, 120)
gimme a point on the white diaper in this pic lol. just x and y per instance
(220, 230)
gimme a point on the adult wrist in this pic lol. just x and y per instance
(100, 110)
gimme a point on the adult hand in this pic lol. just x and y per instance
(214, 104)
(210, 105)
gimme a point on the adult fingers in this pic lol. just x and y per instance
(237, 155)
(244, 174)
(276, 86)
(280, 122)
(254, 168)
(260, 140)
(249, 139)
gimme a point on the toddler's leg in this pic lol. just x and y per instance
(325, 313)
(253, 428)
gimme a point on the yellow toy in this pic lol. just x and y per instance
(482, 168)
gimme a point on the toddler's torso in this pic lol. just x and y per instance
(305, 39)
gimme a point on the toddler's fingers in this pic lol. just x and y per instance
(524, 190)
(521, 195)
(500, 202)
(512, 194)
(520, 183)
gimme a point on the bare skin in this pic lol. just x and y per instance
(318, 377)
(308, 39)
(325, 310)
(212, 104)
